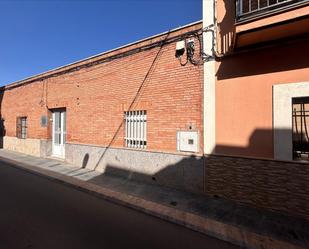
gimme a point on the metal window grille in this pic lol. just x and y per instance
(246, 8)
(136, 129)
(21, 127)
(300, 124)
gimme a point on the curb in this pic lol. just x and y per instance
(230, 233)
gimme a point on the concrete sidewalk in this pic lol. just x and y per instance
(244, 226)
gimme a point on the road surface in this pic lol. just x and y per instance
(36, 212)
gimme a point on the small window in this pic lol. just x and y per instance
(21, 127)
(136, 129)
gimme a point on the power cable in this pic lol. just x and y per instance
(135, 97)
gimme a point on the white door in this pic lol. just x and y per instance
(59, 133)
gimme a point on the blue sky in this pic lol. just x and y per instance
(40, 35)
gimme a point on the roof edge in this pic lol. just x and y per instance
(97, 55)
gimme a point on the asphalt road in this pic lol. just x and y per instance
(36, 212)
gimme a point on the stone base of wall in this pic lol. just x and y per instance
(28, 146)
(273, 185)
(178, 171)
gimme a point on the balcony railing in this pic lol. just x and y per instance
(253, 8)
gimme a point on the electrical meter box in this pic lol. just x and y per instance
(187, 141)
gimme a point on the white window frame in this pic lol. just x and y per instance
(282, 117)
(135, 129)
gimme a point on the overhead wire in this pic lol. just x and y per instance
(102, 60)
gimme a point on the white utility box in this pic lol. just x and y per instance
(187, 141)
(180, 45)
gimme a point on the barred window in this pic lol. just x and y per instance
(300, 124)
(135, 129)
(21, 127)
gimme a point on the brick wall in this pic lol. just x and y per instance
(96, 97)
(273, 185)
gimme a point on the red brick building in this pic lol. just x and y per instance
(220, 121)
(124, 111)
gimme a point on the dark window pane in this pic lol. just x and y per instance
(300, 124)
